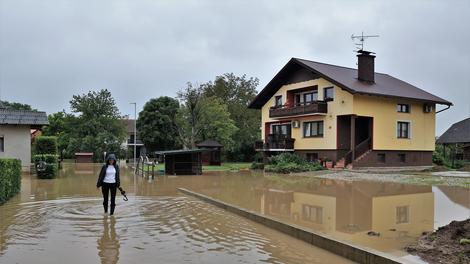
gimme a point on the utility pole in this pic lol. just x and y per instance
(135, 132)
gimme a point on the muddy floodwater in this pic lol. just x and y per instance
(62, 221)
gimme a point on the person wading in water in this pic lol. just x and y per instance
(108, 180)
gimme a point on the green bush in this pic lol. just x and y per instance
(10, 178)
(46, 145)
(51, 167)
(437, 158)
(287, 163)
(257, 166)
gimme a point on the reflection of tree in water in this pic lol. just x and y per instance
(108, 244)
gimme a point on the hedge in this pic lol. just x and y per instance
(10, 178)
(51, 167)
(46, 145)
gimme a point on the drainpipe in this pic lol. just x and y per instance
(448, 106)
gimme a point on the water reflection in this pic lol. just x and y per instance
(108, 244)
(62, 219)
(395, 213)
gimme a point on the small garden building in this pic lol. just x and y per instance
(212, 155)
(15, 133)
(183, 162)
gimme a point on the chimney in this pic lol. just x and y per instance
(365, 66)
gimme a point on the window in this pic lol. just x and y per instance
(313, 129)
(403, 108)
(403, 129)
(312, 213)
(312, 157)
(297, 99)
(278, 101)
(402, 214)
(2, 144)
(310, 97)
(328, 94)
(381, 157)
(402, 157)
(281, 129)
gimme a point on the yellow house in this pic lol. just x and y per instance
(349, 116)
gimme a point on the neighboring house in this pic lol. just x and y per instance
(129, 143)
(15, 133)
(458, 134)
(349, 116)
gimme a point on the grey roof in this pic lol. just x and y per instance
(180, 151)
(457, 133)
(346, 78)
(22, 117)
(209, 143)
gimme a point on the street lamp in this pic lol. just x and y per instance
(135, 132)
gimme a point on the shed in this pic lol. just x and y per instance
(212, 155)
(84, 157)
(458, 134)
(183, 161)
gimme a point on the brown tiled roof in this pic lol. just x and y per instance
(22, 117)
(346, 78)
(129, 124)
(457, 133)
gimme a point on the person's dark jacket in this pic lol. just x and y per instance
(99, 183)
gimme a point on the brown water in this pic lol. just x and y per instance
(398, 214)
(61, 221)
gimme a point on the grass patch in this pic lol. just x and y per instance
(226, 166)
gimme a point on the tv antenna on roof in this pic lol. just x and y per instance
(362, 38)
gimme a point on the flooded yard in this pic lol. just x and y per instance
(51, 220)
(62, 221)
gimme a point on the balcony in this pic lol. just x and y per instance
(276, 142)
(317, 107)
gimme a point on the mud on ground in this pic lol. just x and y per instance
(448, 244)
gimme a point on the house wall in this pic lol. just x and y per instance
(385, 115)
(381, 109)
(420, 213)
(17, 143)
(342, 104)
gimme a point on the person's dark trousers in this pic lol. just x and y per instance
(105, 189)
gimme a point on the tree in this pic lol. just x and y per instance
(237, 92)
(95, 126)
(203, 118)
(189, 115)
(157, 123)
(61, 125)
(15, 106)
(215, 122)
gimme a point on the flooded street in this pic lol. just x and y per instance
(51, 220)
(62, 221)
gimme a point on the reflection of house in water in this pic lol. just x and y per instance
(350, 210)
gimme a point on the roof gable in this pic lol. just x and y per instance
(346, 78)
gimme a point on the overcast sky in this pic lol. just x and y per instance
(51, 50)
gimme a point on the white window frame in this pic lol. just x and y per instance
(409, 129)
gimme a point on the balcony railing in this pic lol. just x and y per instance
(319, 107)
(276, 142)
